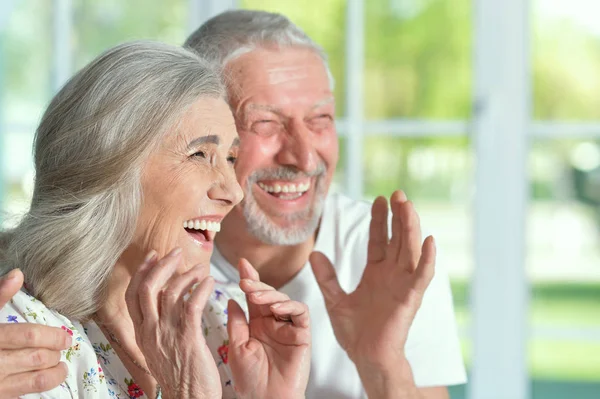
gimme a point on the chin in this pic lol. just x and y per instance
(195, 257)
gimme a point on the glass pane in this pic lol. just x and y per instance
(103, 24)
(563, 266)
(325, 26)
(418, 58)
(25, 63)
(435, 173)
(25, 86)
(566, 59)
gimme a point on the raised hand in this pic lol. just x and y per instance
(29, 353)
(168, 327)
(372, 323)
(269, 355)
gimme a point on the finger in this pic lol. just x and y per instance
(287, 333)
(397, 200)
(237, 325)
(172, 297)
(296, 311)
(10, 284)
(33, 381)
(29, 335)
(153, 283)
(326, 278)
(249, 286)
(410, 251)
(259, 293)
(195, 305)
(426, 269)
(247, 272)
(22, 360)
(131, 294)
(267, 297)
(378, 231)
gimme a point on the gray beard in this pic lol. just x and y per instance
(301, 225)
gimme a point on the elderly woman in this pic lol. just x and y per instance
(134, 172)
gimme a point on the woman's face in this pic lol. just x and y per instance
(189, 185)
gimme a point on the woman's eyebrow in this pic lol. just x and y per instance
(235, 143)
(211, 138)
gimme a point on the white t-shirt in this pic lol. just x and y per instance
(432, 348)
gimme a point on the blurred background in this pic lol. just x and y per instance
(411, 80)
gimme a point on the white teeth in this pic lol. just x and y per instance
(285, 188)
(208, 225)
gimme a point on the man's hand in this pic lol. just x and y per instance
(269, 356)
(372, 323)
(29, 353)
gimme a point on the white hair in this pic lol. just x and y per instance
(230, 34)
(89, 151)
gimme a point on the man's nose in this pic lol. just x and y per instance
(298, 150)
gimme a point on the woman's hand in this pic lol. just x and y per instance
(269, 356)
(168, 327)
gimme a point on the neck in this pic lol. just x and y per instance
(116, 324)
(276, 264)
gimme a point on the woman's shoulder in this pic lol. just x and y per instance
(85, 378)
(25, 308)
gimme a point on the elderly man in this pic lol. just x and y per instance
(280, 91)
(394, 334)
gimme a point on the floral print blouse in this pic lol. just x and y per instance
(95, 370)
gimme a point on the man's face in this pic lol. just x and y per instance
(284, 111)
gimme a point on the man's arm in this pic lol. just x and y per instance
(29, 353)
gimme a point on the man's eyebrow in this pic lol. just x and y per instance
(263, 107)
(211, 138)
(322, 102)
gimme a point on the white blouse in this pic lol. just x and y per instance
(94, 369)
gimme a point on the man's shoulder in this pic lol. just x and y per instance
(340, 206)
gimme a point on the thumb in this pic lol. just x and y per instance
(237, 326)
(326, 278)
(10, 285)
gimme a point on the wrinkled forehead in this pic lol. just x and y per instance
(291, 71)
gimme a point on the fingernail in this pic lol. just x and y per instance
(150, 257)
(68, 340)
(248, 281)
(175, 252)
(275, 305)
(257, 294)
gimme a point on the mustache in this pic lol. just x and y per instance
(285, 173)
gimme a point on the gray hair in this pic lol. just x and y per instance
(232, 33)
(90, 148)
